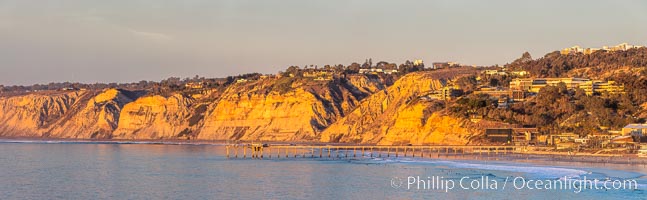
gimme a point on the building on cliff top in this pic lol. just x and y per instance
(495, 72)
(441, 65)
(591, 87)
(587, 51)
(444, 93)
(194, 85)
(513, 95)
(380, 69)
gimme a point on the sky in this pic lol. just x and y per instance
(93, 41)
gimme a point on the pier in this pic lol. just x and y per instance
(260, 151)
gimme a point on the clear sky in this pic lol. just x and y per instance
(130, 40)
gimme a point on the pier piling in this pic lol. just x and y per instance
(257, 151)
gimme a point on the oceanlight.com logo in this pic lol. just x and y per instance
(396, 182)
(439, 183)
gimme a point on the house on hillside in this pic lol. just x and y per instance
(194, 85)
(637, 130)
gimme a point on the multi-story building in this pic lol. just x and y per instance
(578, 49)
(518, 95)
(588, 51)
(620, 47)
(440, 65)
(589, 86)
(535, 84)
(512, 94)
(516, 136)
(495, 72)
(450, 92)
(635, 130)
(444, 93)
(598, 86)
(571, 50)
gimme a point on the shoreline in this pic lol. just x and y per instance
(530, 155)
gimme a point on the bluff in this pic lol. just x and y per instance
(63, 114)
(272, 109)
(398, 115)
(155, 117)
(354, 108)
(287, 109)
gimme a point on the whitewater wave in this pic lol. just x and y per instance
(535, 171)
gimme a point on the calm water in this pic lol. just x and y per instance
(39, 170)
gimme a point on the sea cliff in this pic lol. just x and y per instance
(355, 108)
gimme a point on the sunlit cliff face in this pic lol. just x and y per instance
(357, 110)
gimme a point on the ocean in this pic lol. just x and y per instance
(140, 170)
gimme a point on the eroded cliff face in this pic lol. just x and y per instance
(94, 118)
(357, 108)
(397, 116)
(75, 114)
(282, 110)
(32, 115)
(155, 117)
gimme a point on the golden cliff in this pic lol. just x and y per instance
(154, 117)
(93, 117)
(287, 109)
(357, 108)
(397, 115)
(75, 114)
(31, 115)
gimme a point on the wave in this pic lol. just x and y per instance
(540, 171)
(536, 171)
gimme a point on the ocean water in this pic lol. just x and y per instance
(81, 170)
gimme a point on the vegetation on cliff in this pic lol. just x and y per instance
(557, 109)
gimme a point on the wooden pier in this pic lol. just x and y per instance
(260, 151)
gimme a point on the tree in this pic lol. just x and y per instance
(467, 83)
(294, 70)
(525, 57)
(353, 68)
(494, 82)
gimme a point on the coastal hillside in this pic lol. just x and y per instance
(404, 114)
(606, 92)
